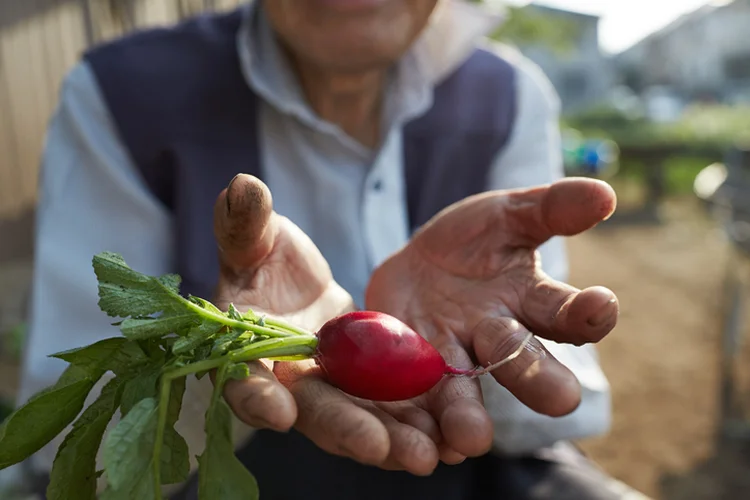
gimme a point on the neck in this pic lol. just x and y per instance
(350, 100)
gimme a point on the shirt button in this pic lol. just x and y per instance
(377, 185)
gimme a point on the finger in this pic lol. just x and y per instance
(564, 208)
(333, 422)
(409, 414)
(260, 400)
(535, 377)
(411, 449)
(422, 420)
(457, 405)
(243, 224)
(522, 217)
(449, 456)
(563, 313)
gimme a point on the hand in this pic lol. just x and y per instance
(470, 282)
(268, 264)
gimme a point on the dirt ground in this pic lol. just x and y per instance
(662, 359)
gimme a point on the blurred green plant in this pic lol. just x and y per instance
(12, 347)
(6, 408)
(701, 136)
(699, 127)
(529, 26)
(13, 340)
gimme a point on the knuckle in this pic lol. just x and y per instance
(310, 395)
(257, 400)
(352, 433)
(340, 421)
(499, 338)
(415, 443)
(492, 332)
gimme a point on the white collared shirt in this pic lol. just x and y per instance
(93, 199)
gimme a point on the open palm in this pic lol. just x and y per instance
(470, 281)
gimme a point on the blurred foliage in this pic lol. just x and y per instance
(701, 136)
(527, 26)
(699, 127)
(6, 408)
(13, 341)
(12, 347)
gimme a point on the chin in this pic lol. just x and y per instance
(354, 53)
(349, 42)
(353, 61)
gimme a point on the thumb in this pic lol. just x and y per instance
(564, 208)
(244, 226)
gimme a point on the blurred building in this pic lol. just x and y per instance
(581, 73)
(704, 55)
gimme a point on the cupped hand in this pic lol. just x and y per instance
(470, 282)
(269, 265)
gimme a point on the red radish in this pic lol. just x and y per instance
(375, 356)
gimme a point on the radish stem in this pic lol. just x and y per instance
(282, 329)
(297, 346)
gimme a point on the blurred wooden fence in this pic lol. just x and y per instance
(40, 40)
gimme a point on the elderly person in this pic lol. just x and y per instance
(414, 170)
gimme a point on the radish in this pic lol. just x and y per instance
(374, 356)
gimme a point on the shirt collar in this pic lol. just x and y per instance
(452, 33)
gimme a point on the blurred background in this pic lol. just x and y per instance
(656, 101)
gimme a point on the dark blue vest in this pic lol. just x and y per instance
(189, 120)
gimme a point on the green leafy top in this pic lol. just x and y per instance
(126, 293)
(165, 338)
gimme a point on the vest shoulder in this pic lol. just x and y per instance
(478, 96)
(530, 77)
(489, 62)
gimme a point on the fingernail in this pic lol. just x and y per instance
(260, 423)
(605, 314)
(229, 190)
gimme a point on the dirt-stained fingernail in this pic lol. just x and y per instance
(229, 197)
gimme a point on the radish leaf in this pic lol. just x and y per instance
(238, 371)
(113, 354)
(205, 304)
(74, 475)
(145, 328)
(144, 384)
(128, 454)
(197, 335)
(220, 473)
(124, 292)
(44, 416)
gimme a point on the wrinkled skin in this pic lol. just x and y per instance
(469, 282)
